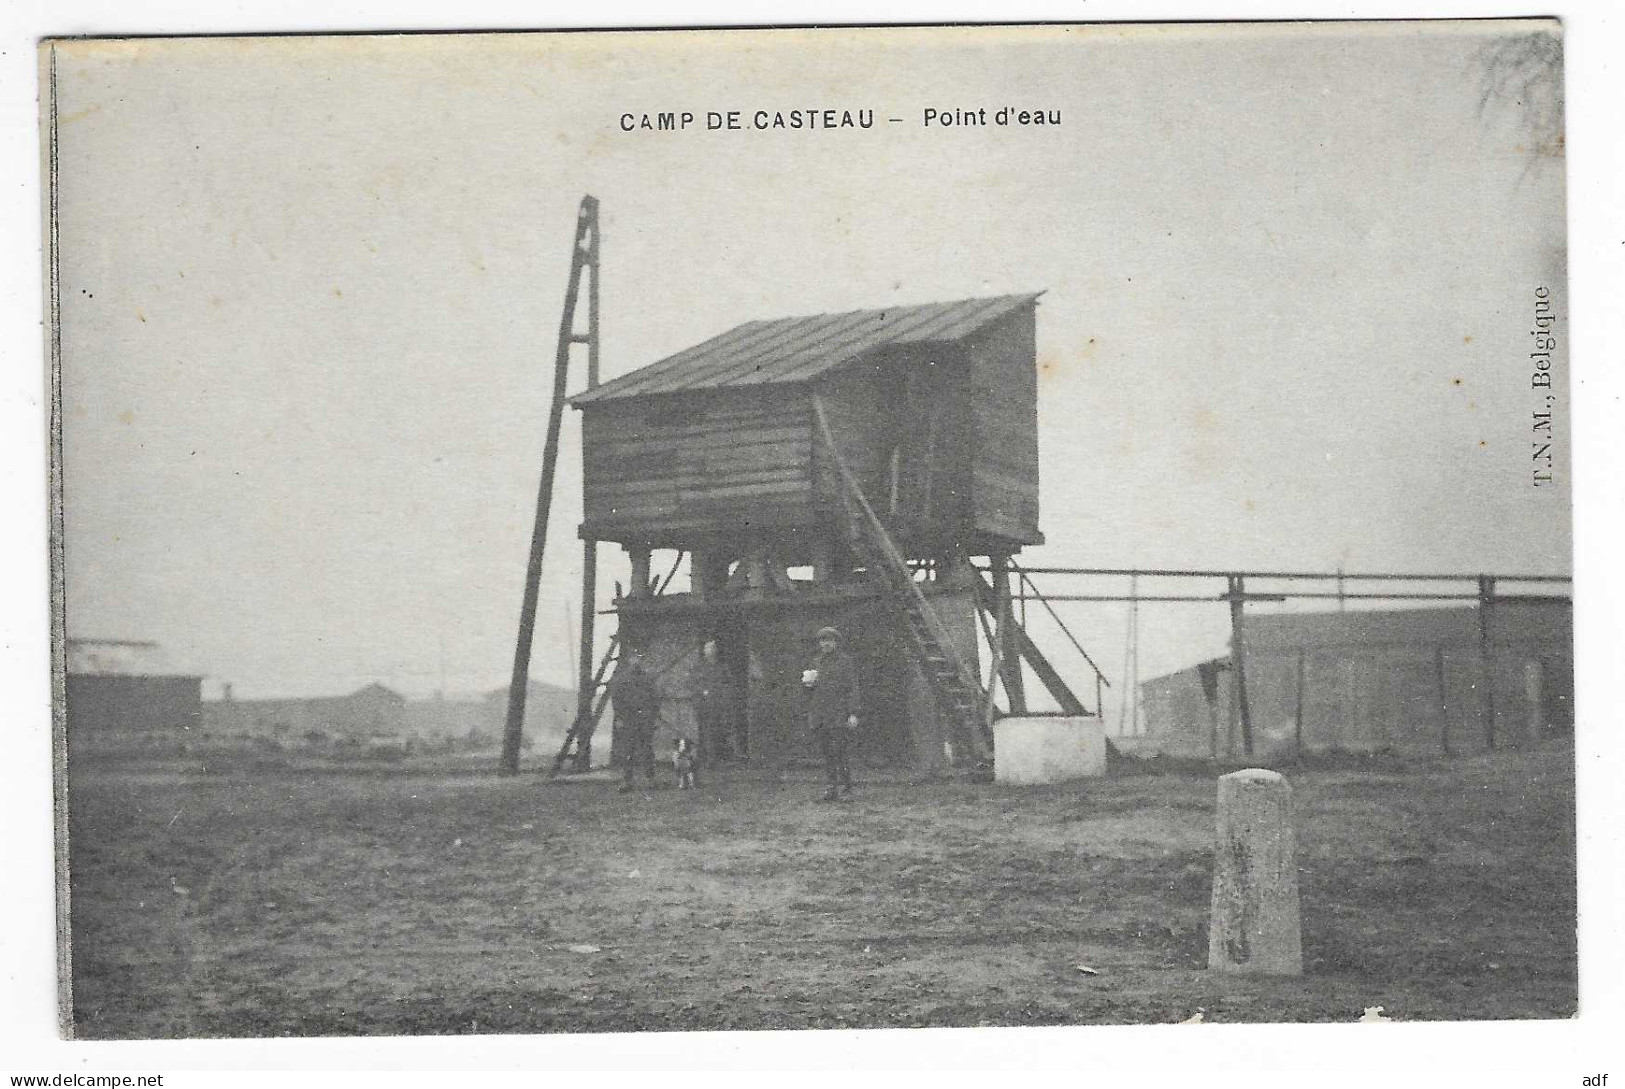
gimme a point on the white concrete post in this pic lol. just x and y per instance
(1254, 927)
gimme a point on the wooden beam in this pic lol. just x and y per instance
(1100, 677)
(1001, 636)
(824, 551)
(639, 556)
(1444, 699)
(1024, 645)
(1238, 669)
(671, 573)
(586, 718)
(1015, 690)
(586, 684)
(589, 615)
(708, 572)
(1154, 572)
(1213, 729)
(1486, 657)
(1297, 720)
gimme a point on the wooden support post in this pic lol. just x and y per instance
(1486, 658)
(756, 571)
(1134, 681)
(1047, 674)
(1128, 712)
(954, 572)
(823, 559)
(1015, 689)
(594, 256)
(702, 576)
(987, 633)
(640, 571)
(1444, 700)
(1238, 669)
(586, 685)
(1022, 644)
(896, 461)
(1100, 678)
(1232, 718)
(1213, 730)
(1000, 634)
(707, 573)
(1297, 719)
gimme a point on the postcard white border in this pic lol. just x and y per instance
(1494, 1054)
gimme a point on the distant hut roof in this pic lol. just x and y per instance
(376, 691)
(785, 350)
(119, 658)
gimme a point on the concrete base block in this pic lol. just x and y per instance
(1048, 750)
(1254, 927)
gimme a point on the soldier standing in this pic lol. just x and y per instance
(637, 704)
(714, 704)
(832, 712)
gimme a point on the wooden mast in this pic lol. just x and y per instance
(582, 253)
(586, 681)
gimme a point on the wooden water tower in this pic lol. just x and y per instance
(836, 469)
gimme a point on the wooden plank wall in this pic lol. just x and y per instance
(660, 467)
(854, 404)
(869, 410)
(946, 446)
(1004, 383)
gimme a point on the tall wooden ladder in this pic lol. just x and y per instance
(954, 685)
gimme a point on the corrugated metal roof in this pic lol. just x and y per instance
(797, 349)
(118, 657)
(1535, 621)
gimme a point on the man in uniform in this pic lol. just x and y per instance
(714, 705)
(636, 706)
(832, 709)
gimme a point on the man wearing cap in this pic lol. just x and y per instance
(832, 709)
(637, 705)
(714, 705)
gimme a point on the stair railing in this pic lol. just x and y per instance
(898, 570)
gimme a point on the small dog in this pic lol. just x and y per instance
(683, 760)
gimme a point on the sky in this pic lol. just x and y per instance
(310, 289)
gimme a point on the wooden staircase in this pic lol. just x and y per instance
(954, 685)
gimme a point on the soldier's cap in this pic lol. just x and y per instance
(829, 633)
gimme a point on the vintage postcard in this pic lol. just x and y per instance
(799, 529)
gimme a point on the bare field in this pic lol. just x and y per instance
(332, 903)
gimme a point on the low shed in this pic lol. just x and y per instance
(118, 685)
(1405, 680)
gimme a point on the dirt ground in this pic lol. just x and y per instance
(300, 902)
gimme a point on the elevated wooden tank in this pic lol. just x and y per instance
(934, 406)
(715, 451)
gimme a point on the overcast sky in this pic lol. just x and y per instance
(310, 290)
